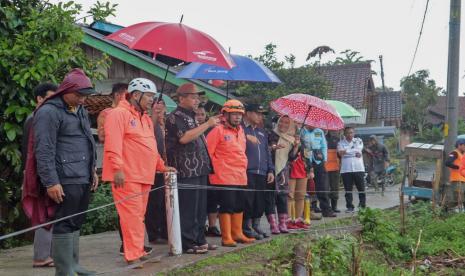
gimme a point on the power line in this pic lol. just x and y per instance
(419, 37)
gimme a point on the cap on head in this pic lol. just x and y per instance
(373, 137)
(460, 141)
(255, 108)
(233, 106)
(142, 85)
(188, 88)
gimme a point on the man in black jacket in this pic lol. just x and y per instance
(65, 153)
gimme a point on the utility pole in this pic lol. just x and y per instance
(382, 71)
(450, 128)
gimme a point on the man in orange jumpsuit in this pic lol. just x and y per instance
(130, 160)
(226, 146)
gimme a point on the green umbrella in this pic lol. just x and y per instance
(170, 104)
(344, 109)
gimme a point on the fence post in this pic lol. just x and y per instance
(172, 214)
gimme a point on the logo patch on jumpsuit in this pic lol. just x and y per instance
(133, 123)
(227, 138)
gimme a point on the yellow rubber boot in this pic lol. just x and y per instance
(307, 211)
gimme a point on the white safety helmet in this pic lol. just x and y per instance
(143, 85)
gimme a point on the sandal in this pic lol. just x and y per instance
(49, 263)
(135, 264)
(209, 246)
(196, 250)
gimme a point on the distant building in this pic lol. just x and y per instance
(437, 112)
(353, 84)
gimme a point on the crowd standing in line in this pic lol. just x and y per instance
(254, 171)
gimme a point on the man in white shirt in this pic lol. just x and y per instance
(352, 167)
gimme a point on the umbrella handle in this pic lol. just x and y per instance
(306, 115)
(163, 84)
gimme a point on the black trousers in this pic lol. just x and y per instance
(333, 181)
(193, 211)
(255, 201)
(231, 201)
(275, 201)
(349, 179)
(155, 215)
(321, 186)
(76, 199)
(212, 200)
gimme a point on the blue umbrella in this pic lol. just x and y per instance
(246, 69)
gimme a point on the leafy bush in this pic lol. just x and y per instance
(105, 219)
(384, 234)
(40, 42)
(331, 256)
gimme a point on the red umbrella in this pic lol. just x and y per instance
(315, 111)
(174, 40)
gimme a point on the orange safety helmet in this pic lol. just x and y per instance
(233, 106)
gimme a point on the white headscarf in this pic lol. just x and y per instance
(286, 139)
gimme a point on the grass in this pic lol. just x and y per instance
(383, 251)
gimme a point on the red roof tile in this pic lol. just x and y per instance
(97, 103)
(439, 110)
(350, 82)
(386, 106)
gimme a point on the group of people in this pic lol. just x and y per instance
(236, 170)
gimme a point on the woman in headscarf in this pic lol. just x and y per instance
(282, 142)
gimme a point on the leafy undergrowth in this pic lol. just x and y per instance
(378, 250)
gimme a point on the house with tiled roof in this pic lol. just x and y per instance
(385, 109)
(437, 112)
(353, 84)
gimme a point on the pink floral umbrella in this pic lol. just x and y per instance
(314, 111)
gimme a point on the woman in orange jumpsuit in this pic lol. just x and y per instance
(226, 146)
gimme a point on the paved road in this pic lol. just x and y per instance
(100, 252)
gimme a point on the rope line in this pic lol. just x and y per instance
(180, 186)
(10, 235)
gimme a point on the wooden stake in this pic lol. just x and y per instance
(414, 253)
(402, 212)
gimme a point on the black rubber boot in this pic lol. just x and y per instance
(248, 231)
(258, 229)
(334, 206)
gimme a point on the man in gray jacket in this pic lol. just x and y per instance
(65, 154)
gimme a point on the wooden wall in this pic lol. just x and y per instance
(119, 71)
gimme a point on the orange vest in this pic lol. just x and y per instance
(226, 147)
(332, 164)
(455, 175)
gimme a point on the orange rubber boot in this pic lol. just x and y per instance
(237, 234)
(225, 226)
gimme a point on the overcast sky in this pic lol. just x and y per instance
(372, 27)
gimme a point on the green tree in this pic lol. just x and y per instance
(303, 79)
(269, 59)
(420, 92)
(350, 57)
(40, 42)
(319, 51)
